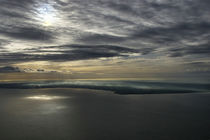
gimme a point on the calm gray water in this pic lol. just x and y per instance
(81, 114)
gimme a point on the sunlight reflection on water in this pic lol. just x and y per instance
(46, 97)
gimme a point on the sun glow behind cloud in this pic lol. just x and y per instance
(46, 14)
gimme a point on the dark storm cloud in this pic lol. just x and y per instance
(8, 69)
(69, 53)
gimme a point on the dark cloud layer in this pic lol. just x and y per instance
(69, 53)
(190, 50)
(28, 33)
(8, 69)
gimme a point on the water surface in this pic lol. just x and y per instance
(84, 114)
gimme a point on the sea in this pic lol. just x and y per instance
(104, 110)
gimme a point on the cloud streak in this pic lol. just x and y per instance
(69, 53)
(9, 69)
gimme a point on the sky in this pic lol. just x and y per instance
(105, 39)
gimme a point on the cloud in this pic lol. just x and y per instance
(198, 67)
(11, 14)
(174, 33)
(28, 33)
(16, 9)
(40, 70)
(199, 63)
(121, 7)
(3, 42)
(8, 69)
(190, 50)
(92, 29)
(100, 38)
(69, 53)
